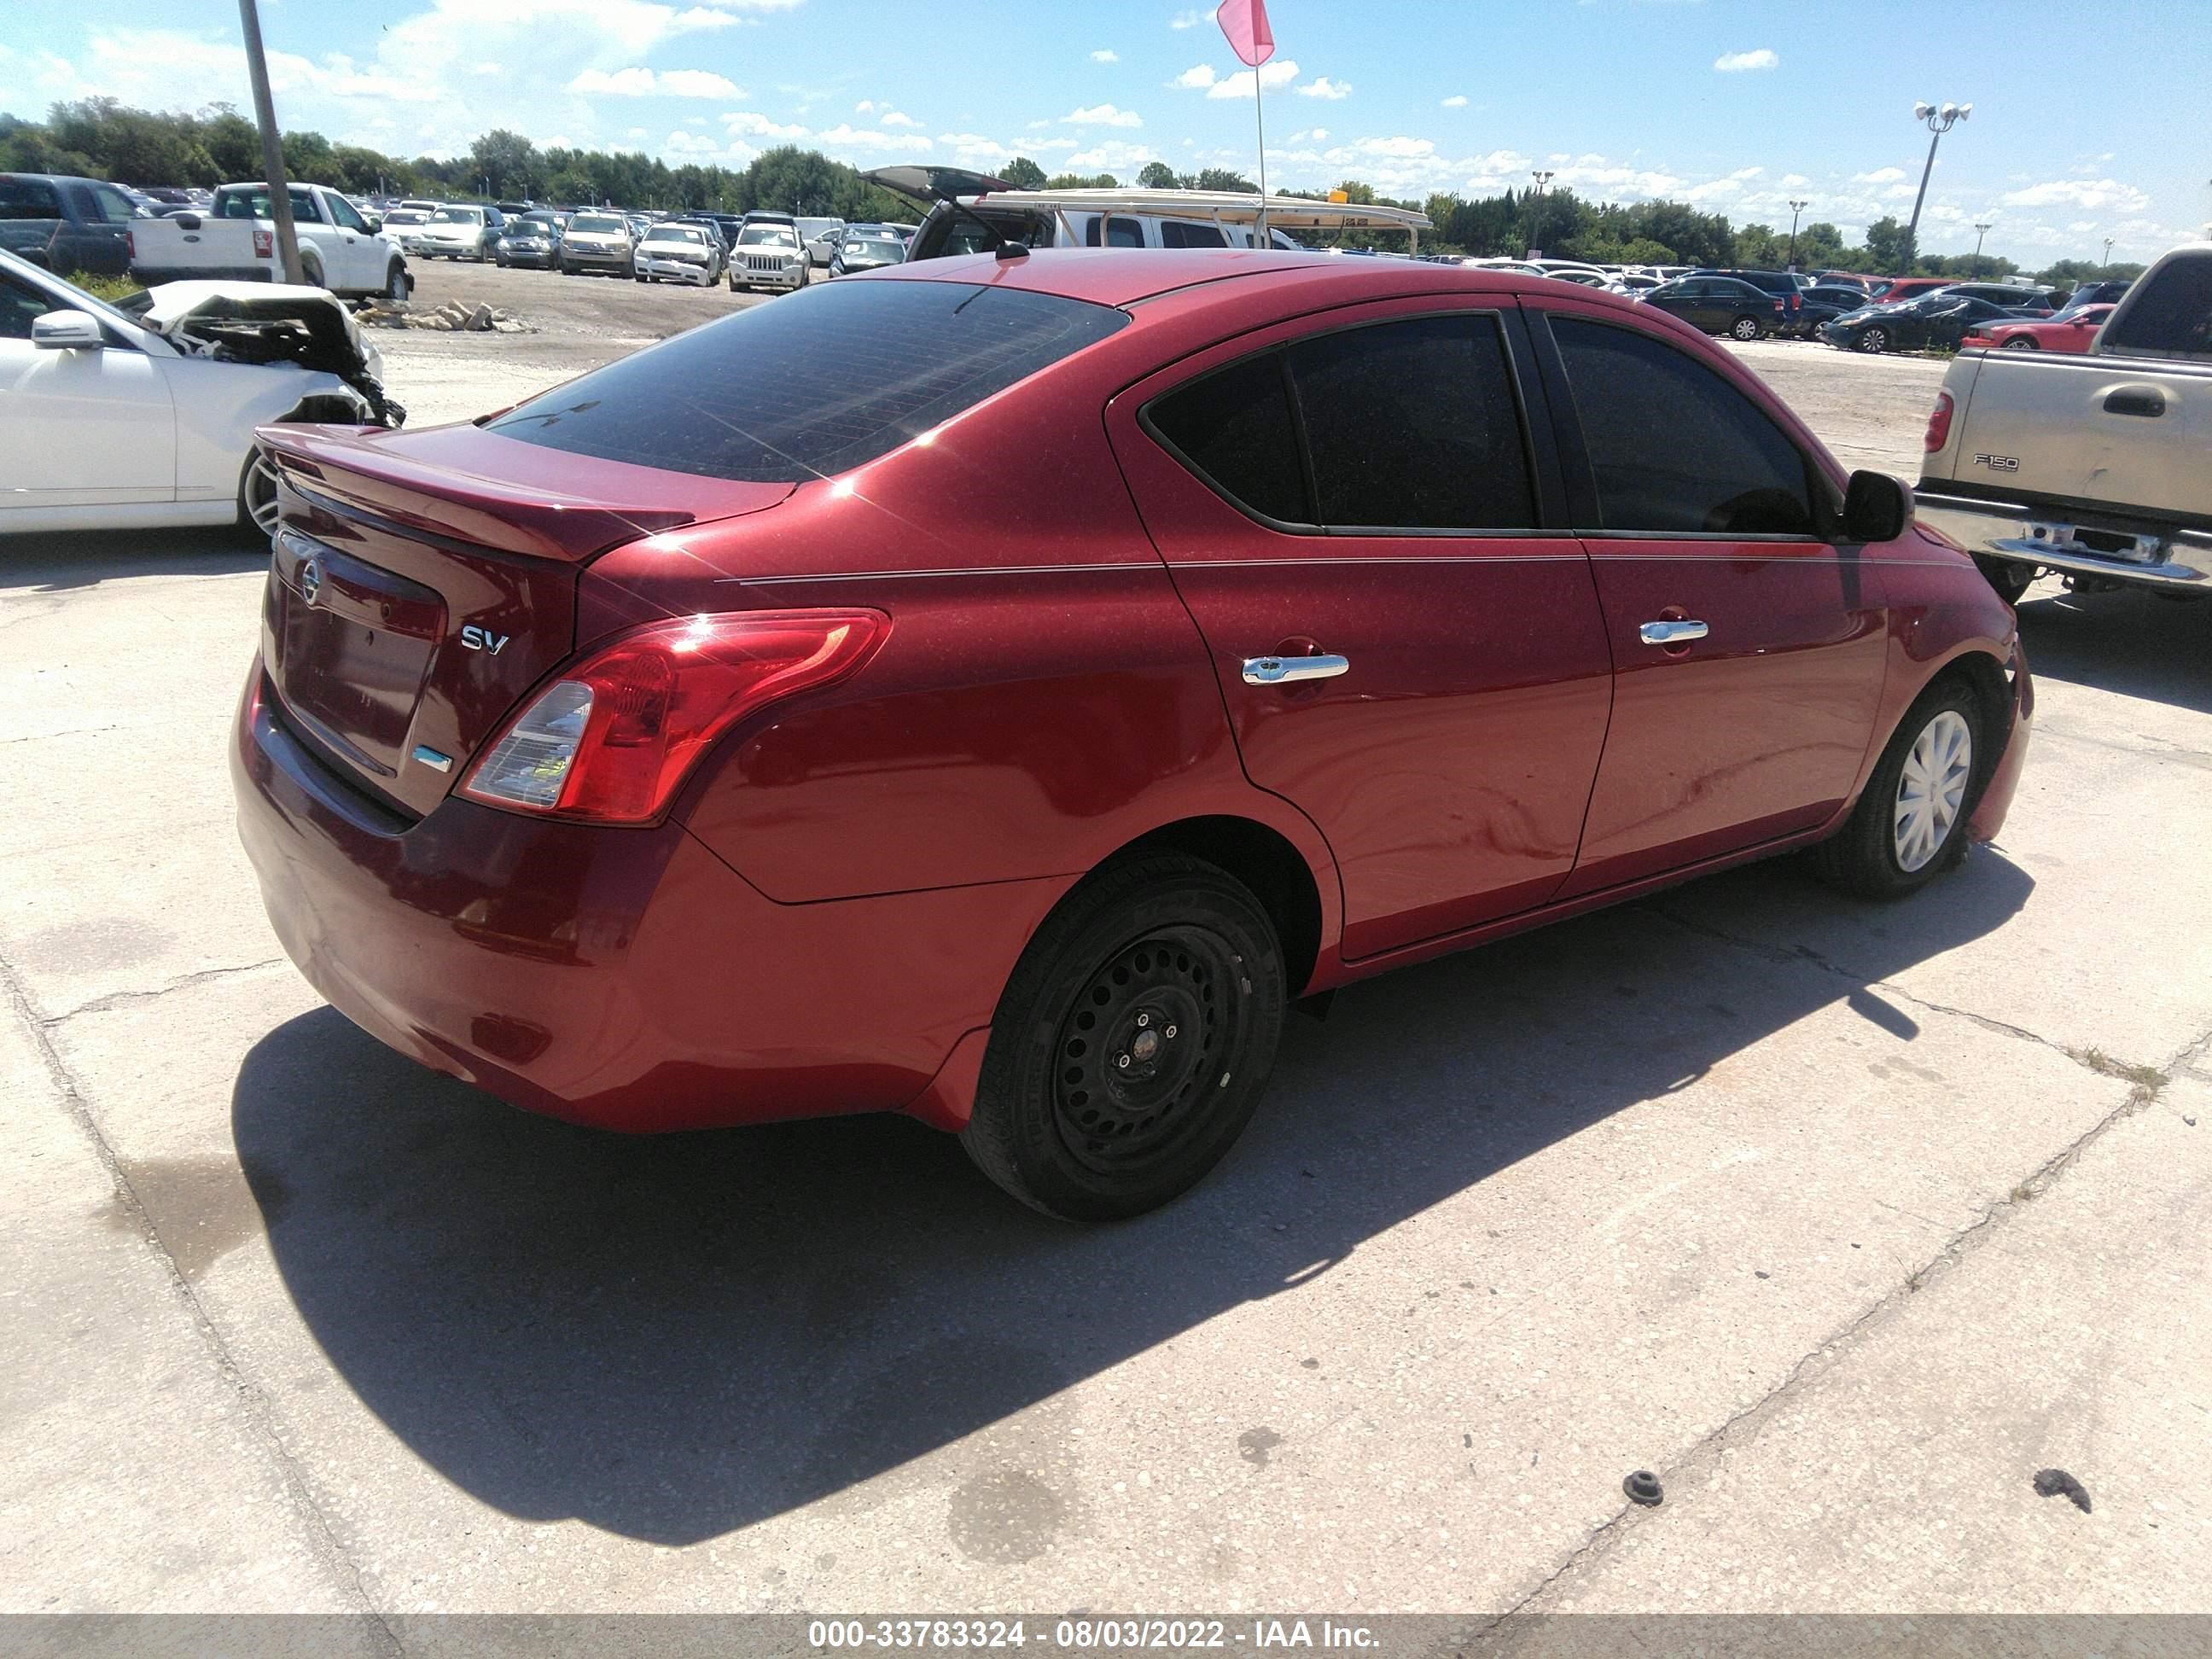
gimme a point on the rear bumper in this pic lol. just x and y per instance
(626, 979)
(2162, 556)
(153, 275)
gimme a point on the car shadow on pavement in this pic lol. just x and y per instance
(672, 1338)
(2134, 643)
(50, 564)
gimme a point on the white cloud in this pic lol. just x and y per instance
(1457, 100)
(1322, 87)
(487, 67)
(1189, 19)
(1879, 176)
(636, 83)
(1279, 73)
(1196, 76)
(1401, 148)
(1102, 115)
(753, 125)
(1794, 181)
(1048, 146)
(1105, 54)
(1735, 63)
(1114, 155)
(892, 118)
(866, 107)
(2095, 195)
(845, 136)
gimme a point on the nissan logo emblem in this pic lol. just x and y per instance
(311, 579)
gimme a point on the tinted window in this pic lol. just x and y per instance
(2172, 318)
(1175, 234)
(29, 198)
(1673, 446)
(1119, 233)
(20, 305)
(113, 205)
(1413, 425)
(813, 384)
(1235, 427)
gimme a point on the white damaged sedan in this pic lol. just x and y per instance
(140, 415)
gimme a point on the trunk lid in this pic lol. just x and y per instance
(423, 582)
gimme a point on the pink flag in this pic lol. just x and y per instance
(1250, 36)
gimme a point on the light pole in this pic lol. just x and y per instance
(2108, 250)
(1938, 121)
(1981, 229)
(1795, 207)
(1542, 179)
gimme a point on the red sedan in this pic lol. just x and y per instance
(2069, 333)
(995, 689)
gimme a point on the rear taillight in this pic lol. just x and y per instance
(265, 243)
(613, 739)
(1939, 424)
(1777, 306)
(131, 246)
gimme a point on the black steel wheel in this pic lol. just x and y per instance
(1133, 1041)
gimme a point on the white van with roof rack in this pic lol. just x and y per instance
(973, 212)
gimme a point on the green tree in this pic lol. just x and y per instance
(1023, 174)
(508, 163)
(1889, 245)
(1156, 175)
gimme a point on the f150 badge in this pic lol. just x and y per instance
(1998, 463)
(483, 639)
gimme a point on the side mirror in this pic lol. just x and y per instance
(374, 222)
(67, 331)
(1876, 507)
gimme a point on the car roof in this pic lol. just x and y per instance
(1127, 276)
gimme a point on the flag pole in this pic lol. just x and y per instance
(1260, 120)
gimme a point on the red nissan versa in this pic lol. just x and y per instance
(994, 689)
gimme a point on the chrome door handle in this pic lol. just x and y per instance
(1671, 633)
(1282, 670)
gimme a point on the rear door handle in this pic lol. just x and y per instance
(1283, 670)
(2151, 403)
(1672, 633)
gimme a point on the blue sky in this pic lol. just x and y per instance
(2088, 126)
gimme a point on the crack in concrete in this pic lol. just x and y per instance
(131, 999)
(1833, 1348)
(322, 1540)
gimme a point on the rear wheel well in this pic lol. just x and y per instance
(1267, 863)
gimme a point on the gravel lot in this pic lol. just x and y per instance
(1846, 1220)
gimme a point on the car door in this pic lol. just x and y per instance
(80, 429)
(103, 216)
(1407, 642)
(358, 260)
(1749, 653)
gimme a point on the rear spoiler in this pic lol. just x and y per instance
(446, 494)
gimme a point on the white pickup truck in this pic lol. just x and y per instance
(2096, 465)
(235, 240)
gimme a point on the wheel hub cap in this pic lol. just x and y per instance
(1140, 1048)
(1931, 789)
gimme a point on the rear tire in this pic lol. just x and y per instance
(2010, 577)
(1910, 824)
(1133, 1041)
(1744, 328)
(395, 285)
(2021, 343)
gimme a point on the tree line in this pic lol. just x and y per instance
(104, 138)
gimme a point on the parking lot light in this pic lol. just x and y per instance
(1938, 121)
(1795, 207)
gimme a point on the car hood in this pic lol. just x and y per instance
(194, 316)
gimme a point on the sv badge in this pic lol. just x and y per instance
(483, 639)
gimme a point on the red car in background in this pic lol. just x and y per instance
(2071, 331)
(995, 689)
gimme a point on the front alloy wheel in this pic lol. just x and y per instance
(1873, 342)
(1910, 823)
(1133, 1041)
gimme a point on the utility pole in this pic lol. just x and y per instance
(1536, 250)
(1795, 207)
(2108, 250)
(1981, 229)
(272, 145)
(1938, 121)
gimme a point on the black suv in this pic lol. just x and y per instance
(1786, 286)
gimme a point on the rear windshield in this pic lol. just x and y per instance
(816, 384)
(2171, 318)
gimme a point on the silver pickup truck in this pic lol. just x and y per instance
(2096, 467)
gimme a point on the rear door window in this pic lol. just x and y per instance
(1114, 233)
(1413, 425)
(1673, 446)
(814, 385)
(29, 198)
(1234, 429)
(1174, 233)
